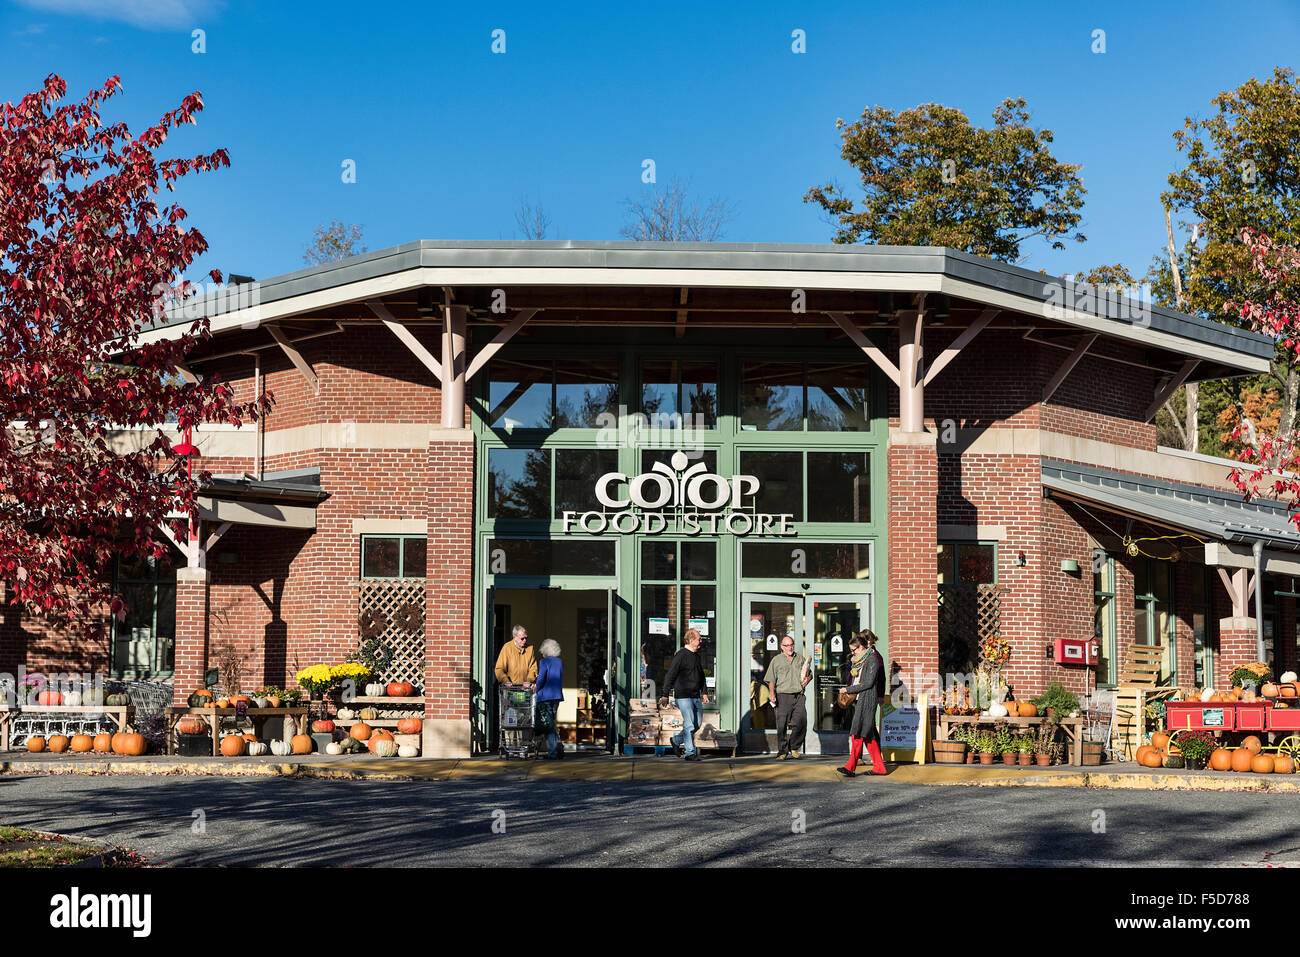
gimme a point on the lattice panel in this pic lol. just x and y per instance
(967, 615)
(392, 611)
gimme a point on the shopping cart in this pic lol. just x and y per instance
(516, 721)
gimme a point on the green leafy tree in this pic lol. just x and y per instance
(930, 178)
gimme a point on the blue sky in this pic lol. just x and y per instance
(448, 137)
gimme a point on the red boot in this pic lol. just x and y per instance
(855, 753)
(877, 759)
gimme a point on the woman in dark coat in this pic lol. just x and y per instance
(867, 681)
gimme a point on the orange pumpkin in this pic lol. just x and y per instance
(1283, 764)
(1028, 710)
(1252, 743)
(361, 731)
(1159, 740)
(232, 745)
(58, 743)
(35, 745)
(1287, 691)
(1013, 708)
(133, 743)
(117, 742)
(1262, 764)
(223, 702)
(1142, 751)
(1221, 760)
(103, 742)
(400, 689)
(1152, 759)
(379, 735)
(236, 699)
(192, 726)
(1241, 759)
(301, 744)
(1268, 690)
(272, 701)
(81, 743)
(410, 726)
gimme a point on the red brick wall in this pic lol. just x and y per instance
(913, 610)
(449, 595)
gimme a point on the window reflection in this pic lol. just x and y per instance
(584, 390)
(519, 394)
(780, 478)
(771, 396)
(519, 483)
(837, 397)
(843, 482)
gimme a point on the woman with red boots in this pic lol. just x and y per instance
(867, 681)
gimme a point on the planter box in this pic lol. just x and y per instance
(1093, 753)
(949, 752)
(194, 745)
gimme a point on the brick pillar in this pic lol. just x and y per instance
(1237, 646)
(913, 539)
(449, 598)
(191, 632)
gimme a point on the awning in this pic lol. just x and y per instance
(286, 500)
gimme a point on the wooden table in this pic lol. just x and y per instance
(120, 715)
(1073, 728)
(213, 716)
(383, 704)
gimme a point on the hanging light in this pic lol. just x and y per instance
(185, 448)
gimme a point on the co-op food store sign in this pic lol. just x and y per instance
(692, 499)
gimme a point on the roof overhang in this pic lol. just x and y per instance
(273, 504)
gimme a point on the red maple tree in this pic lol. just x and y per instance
(86, 257)
(1274, 311)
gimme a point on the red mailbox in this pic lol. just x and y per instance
(1076, 651)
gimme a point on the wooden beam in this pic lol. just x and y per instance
(215, 536)
(186, 373)
(408, 339)
(681, 313)
(290, 350)
(1169, 388)
(505, 335)
(1068, 365)
(187, 549)
(960, 343)
(857, 337)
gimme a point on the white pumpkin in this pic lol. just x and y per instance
(281, 748)
(1207, 694)
(262, 702)
(346, 714)
(1288, 677)
(408, 751)
(998, 711)
(385, 749)
(333, 748)
(72, 699)
(256, 749)
(374, 690)
(92, 696)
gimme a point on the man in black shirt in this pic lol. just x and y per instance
(686, 677)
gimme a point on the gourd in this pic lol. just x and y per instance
(232, 745)
(407, 751)
(351, 745)
(1142, 752)
(58, 743)
(103, 742)
(1174, 761)
(257, 748)
(346, 714)
(281, 748)
(360, 731)
(199, 699)
(375, 690)
(369, 714)
(410, 726)
(72, 699)
(119, 700)
(384, 748)
(35, 744)
(997, 710)
(1288, 677)
(1208, 694)
(81, 743)
(333, 748)
(1262, 764)
(192, 725)
(273, 700)
(400, 689)
(378, 738)
(301, 744)
(132, 743)
(320, 727)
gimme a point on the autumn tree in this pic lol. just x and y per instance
(532, 219)
(88, 258)
(931, 178)
(671, 214)
(334, 241)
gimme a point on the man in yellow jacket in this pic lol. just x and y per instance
(517, 663)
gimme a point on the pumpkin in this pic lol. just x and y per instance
(118, 701)
(238, 699)
(223, 702)
(378, 738)
(333, 748)
(360, 731)
(232, 745)
(49, 698)
(116, 743)
(1269, 690)
(72, 699)
(133, 743)
(1221, 760)
(301, 744)
(384, 749)
(200, 699)
(1262, 764)
(375, 690)
(1283, 764)
(997, 710)
(1159, 740)
(350, 745)
(81, 743)
(408, 751)
(92, 696)
(272, 701)
(1152, 759)
(400, 689)
(1142, 752)
(346, 714)
(1013, 708)
(192, 725)
(1251, 743)
(1028, 710)
(369, 714)
(257, 748)
(410, 726)
(281, 748)
(321, 727)
(35, 744)
(103, 742)
(1208, 694)
(250, 738)
(58, 743)
(1287, 691)
(1241, 759)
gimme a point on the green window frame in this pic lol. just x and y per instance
(157, 588)
(1103, 617)
(1157, 613)
(408, 552)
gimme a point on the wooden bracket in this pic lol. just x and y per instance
(290, 350)
(858, 338)
(408, 339)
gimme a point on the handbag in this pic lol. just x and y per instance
(845, 700)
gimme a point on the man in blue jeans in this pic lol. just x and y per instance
(686, 677)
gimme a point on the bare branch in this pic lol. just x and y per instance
(670, 215)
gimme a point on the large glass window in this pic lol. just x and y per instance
(843, 482)
(780, 478)
(519, 394)
(1103, 616)
(838, 398)
(546, 557)
(144, 643)
(546, 394)
(789, 396)
(1153, 614)
(1204, 632)
(519, 483)
(584, 390)
(576, 471)
(677, 603)
(967, 563)
(676, 393)
(806, 560)
(771, 396)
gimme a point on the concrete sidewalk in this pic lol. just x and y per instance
(722, 770)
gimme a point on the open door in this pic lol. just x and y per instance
(612, 685)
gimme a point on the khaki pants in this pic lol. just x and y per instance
(790, 711)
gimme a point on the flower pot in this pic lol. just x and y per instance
(1042, 760)
(1008, 757)
(970, 757)
(1195, 764)
(949, 752)
(986, 759)
(1025, 759)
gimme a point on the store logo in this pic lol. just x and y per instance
(695, 499)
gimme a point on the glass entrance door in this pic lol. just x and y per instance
(765, 620)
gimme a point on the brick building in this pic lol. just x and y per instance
(613, 442)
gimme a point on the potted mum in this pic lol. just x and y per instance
(1196, 748)
(1025, 750)
(985, 746)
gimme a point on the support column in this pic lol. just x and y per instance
(911, 384)
(449, 598)
(1236, 647)
(913, 540)
(191, 654)
(453, 367)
